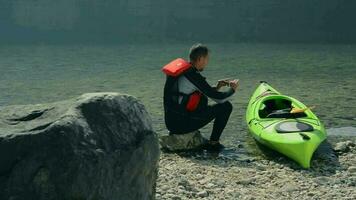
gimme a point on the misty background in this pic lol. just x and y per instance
(52, 50)
(131, 21)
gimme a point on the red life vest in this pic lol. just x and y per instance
(176, 68)
(193, 101)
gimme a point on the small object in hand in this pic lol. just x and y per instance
(225, 79)
(224, 82)
(236, 81)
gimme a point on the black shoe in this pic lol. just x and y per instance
(213, 147)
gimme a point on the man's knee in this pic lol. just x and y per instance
(226, 106)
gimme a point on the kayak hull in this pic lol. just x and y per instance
(298, 145)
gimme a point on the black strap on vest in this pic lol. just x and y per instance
(171, 95)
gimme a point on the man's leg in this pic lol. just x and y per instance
(222, 116)
(196, 120)
(220, 112)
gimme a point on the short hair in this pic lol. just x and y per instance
(196, 51)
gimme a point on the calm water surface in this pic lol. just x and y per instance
(321, 75)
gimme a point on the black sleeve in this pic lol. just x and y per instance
(199, 81)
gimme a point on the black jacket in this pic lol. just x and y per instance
(171, 92)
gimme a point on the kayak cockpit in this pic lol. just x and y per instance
(278, 107)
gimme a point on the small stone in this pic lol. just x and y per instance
(352, 169)
(246, 181)
(209, 185)
(220, 183)
(261, 167)
(183, 182)
(310, 194)
(203, 193)
(169, 196)
(322, 180)
(180, 187)
(344, 146)
(199, 176)
(176, 197)
(165, 187)
(290, 188)
(203, 181)
(183, 171)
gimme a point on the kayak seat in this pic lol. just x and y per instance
(270, 108)
(285, 113)
(278, 108)
(293, 126)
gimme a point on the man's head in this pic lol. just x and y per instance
(199, 56)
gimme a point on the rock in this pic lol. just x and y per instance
(175, 197)
(246, 181)
(165, 187)
(96, 146)
(183, 171)
(182, 142)
(310, 194)
(289, 187)
(220, 183)
(184, 182)
(344, 147)
(352, 169)
(209, 186)
(322, 180)
(202, 194)
(199, 176)
(204, 181)
(341, 146)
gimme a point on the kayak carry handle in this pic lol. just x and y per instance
(304, 136)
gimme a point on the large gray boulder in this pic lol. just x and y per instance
(96, 146)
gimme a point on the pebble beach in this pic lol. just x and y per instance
(202, 176)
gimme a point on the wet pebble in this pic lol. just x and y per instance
(203, 193)
(352, 169)
(290, 187)
(344, 146)
(246, 181)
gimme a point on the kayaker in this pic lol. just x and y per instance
(186, 98)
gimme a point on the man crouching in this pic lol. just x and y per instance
(186, 94)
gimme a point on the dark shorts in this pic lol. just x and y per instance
(184, 122)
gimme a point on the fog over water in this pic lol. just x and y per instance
(118, 21)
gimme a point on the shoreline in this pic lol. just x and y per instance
(195, 176)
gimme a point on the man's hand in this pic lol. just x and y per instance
(234, 84)
(221, 83)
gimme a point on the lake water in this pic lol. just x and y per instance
(321, 75)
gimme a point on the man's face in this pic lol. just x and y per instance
(202, 62)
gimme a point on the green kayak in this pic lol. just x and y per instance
(296, 135)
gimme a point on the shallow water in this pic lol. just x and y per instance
(321, 75)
